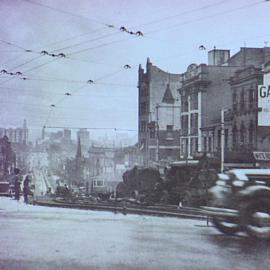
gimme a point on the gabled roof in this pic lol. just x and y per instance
(168, 97)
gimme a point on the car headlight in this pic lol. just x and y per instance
(238, 183)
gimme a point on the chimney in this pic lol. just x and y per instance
(218, 57)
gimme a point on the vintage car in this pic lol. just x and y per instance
(241, 202)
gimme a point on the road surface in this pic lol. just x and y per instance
(35, 237)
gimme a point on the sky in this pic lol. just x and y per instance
(88, 33)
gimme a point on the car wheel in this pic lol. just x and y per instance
(226, 225)
(256, 219)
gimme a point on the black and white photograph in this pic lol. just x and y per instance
(134, 134)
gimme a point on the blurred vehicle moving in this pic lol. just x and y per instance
(241, 202)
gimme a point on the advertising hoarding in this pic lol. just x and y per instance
(264, 105)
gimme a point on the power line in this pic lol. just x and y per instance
(13, 45)
(98, 46)
(205, 17)
(182, 13)
(31, 69)
(77, 90)
(71, 38)
(67, 13)
(87, 41)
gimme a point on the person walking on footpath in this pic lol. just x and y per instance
(17, 184)
(26, 188)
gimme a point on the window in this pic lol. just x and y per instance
(235, 134)
(226, 138)
(251, 98)
(194, 123)
(219, 139)
(152, 133)
(194, 145)
(169, 131)
(209, 144)
(251, 133)
(184, 103)
(234, 101)
(152, 154)
(169, 154)
(184, 125)
(194, 101)
(143, 126)
(205, 144)
(242, 134)
(242, 100)
(98, 183)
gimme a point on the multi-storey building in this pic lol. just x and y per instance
(159, 122)
(244, 85)
(242, 135)
(205, 90)
(227, 83)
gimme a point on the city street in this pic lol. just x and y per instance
(34, 237)
(120, 120)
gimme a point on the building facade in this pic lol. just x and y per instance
(205, 90)
(242, 134)
(244, 85)
(159, 122)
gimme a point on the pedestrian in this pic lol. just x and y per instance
(17, 184)
(180, 205)
(26, 188)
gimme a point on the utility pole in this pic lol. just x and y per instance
(222, 142)
(157, 134)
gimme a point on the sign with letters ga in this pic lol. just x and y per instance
(264, 105)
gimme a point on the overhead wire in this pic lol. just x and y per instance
(83, 50)
(75, 91)
(206, 17)
(76, 52)
(66, 12)
(157, 21)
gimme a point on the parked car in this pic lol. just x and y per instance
(241, 202)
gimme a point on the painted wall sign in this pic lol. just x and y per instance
(264, 105)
